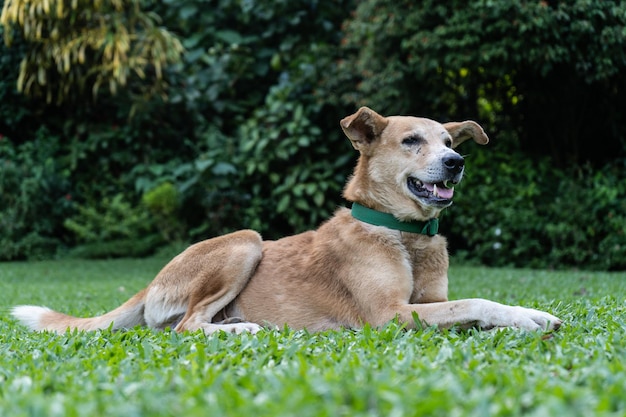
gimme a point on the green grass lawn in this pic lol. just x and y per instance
(578, 371)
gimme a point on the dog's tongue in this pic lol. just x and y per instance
(440, 191)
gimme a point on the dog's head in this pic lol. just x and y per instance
(408, 166)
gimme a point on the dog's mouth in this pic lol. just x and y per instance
(435, 194)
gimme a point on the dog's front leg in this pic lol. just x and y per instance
(480, 313)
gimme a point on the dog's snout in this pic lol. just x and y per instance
(454, 163)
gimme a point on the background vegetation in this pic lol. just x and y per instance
(578, 371)
(240, 129)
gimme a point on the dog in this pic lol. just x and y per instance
(379, 261)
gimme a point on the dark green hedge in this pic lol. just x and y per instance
(512, 210)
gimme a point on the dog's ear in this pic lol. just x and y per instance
(462, 131)
(363, 127)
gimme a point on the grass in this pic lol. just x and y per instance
(578, 371)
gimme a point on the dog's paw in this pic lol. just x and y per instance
(498, 315)
(236, 328)
(242, 327)
(530, 319)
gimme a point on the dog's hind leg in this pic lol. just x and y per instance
(196, 285)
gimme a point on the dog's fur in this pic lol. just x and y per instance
(343, 275)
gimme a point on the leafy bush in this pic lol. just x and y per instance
(540, 71)
(521, 212)
(587, 222)
(112, 228)
(238, 51)
(109, 219)
(34, 197)
(248, 80)
(77, 48)
(163, 202)
(496, 217)
(290, 166)
(14, 109)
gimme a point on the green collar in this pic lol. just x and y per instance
(378, 218)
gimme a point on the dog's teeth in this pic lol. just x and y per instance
(417, 182)
(435, 190)
(448, 184)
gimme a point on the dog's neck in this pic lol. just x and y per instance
(379, 218)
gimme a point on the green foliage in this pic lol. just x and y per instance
(112, 228)
(249, 136)
(34, 197)
(162, 200)
(551, 71)
(514, 211)
(237, 51)
(577, 371)
(291, 166)
(109, 219)
(263, 161)
(163, 203)
(81, 45)
(13, 107)
(93, 144)
(587, 225)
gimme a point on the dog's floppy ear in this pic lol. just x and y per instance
(363, 127)
(462, 131)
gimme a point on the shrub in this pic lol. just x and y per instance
(249, 79)
(34, 197)
(244, 62)
(77, 48)
(513, 211)
(112, 228)
(290, 166)
(587, 222)
(163, 203)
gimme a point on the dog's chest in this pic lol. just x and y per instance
(422, 249)
(428, 260)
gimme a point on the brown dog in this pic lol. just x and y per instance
(379, 261)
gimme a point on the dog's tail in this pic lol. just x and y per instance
(127, 315)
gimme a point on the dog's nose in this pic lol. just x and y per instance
(454, 163)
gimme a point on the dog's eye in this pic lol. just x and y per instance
(448, 143)
(413, 140)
